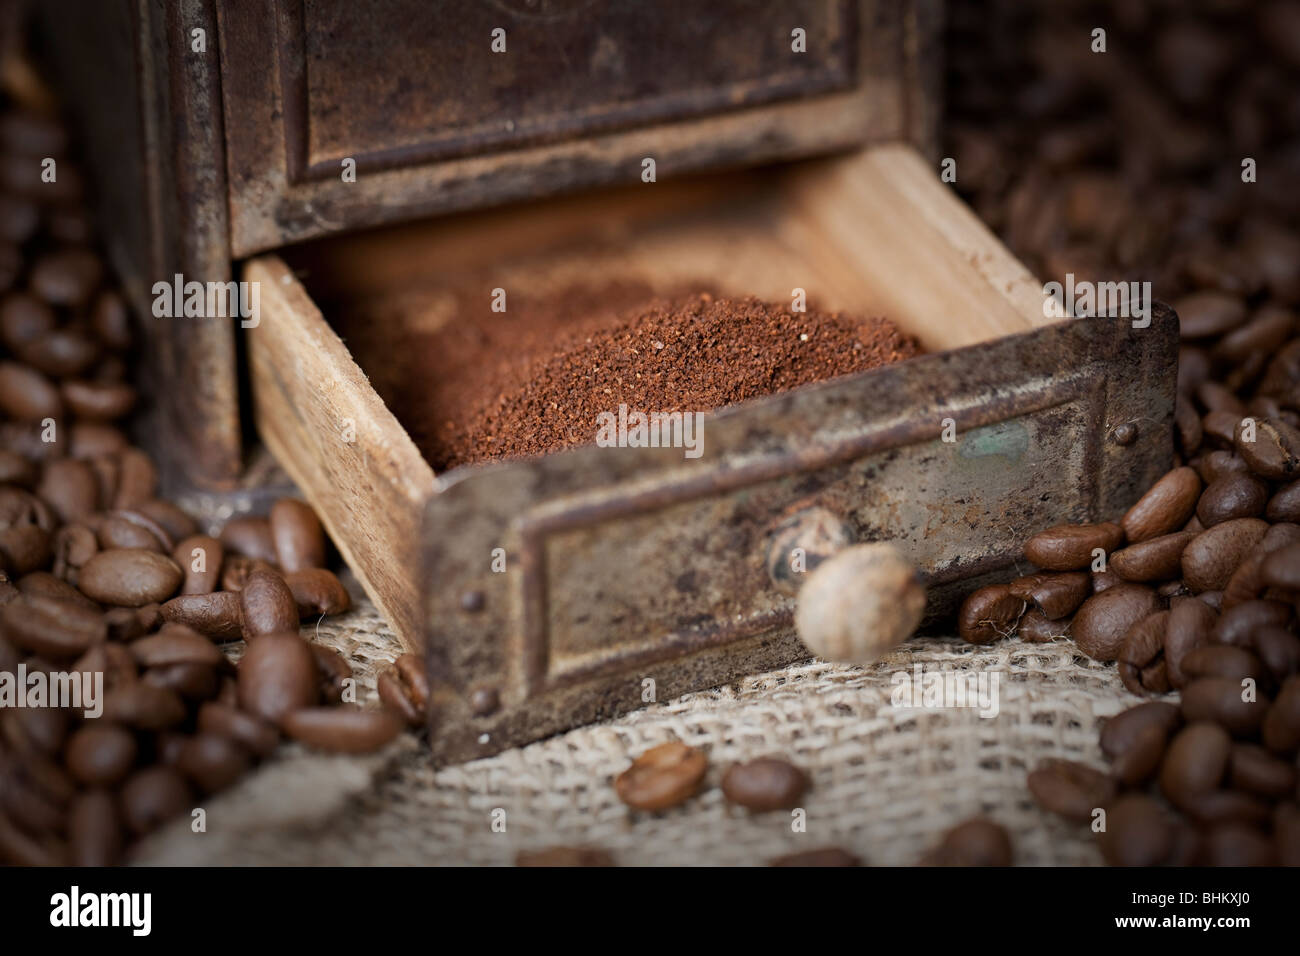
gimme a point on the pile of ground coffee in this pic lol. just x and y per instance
(536, 382)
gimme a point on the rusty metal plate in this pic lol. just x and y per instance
(623, 565)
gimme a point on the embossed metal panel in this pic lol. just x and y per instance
(622, 565)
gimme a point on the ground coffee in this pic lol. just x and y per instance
(532, 380)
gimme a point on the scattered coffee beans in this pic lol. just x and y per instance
(662, 777)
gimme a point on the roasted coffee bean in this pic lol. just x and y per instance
(277, 675)
(318, 591)
(1210, 558)
(218, 616)
(1285, 503)
(1236, 625)
(112, 660)
(823, 856)
(191, 681)
(767, 783)
(1281, 568)
(1218, 464)
(1195, 761)
(101, 754)
(1204, 314)
(297, 535)
(1278, 650)
(176, 644)
(1155, 559)
(267, 605)
(1138, 832)
(74, 545)
(1101, 624)
(1215, 397)
(1234, 705)
(116, 531)
(1164, 509)
(1036, 628)
(404, 689)
(138, 482)
(175, 521)
(1141, 662)
(67, 277)
(95, 835)
(1220, 428)
(212, 762)
(342, 729)
(1139, 762)
(153, 796)
(568, 856)
(250, 536)
(989, 614)
(1255, 770)
(237, 569)
(1222, 660)
(1069, 547)
(1101, 580)
(44, 584)
(1188, 425)
(1054, 595)
(200, 557)
(1238, 844)
(334, 673)
(130, 577)
(1275, 451)
(1280, 731)
(1226, 806)
(1071, 790)
(976, 842)
(1191, 623)
(55, 629)
(143, 706)
(1232, 496)
(28, 396)
(70, 488)
(662, 777)
(253, 733)
(42, 729)
(1247, 582)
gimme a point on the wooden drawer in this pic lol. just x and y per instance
(599, 540)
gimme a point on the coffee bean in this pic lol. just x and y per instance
(175, 521)
(1238, 844)
(1195, 761)
(318, 591)
(55, 629)
(976, 842)
(1190, 626)
(40, 729)
(1221, 660)
(237, 569)
(1205, 314)
(1141, 661)
(1247, 582)
(1285, 503)
(250, 536)
(342, 729)
(1210, 558)
(989, 614)
(45, 585)
(662, 777)
(1101, 580)
(200, 557)
(824, 856)
(568, 856)
(70, 488)
(1275, 452)
(1139, 762)
(254, 734)
(218, 616)
(1279, 650)
(1188, 425)
(1138, 832)
(143, 706)
(297, 535)
(1216, 397)
(68, 277)
(277, 675)
(767, 783)
(333, 671)
(191, 681)
(1281, 568)
(212, 762)
(1255, 770)
(1069, 547)
(116, 531)
(404, 689)
(1036, 628)
(1154, 559)
(1224, 700)
(1280, 731)
(1226, 806)
(1054, 595)
(153, 796)
(112, 660)
(267, 605)
(1220, 428)
(1071, 790)
(1236, 625)
(95, 835)
(1232, 496)
(27, 395)
(101, 754)
(130, 577)
(176, 644)
(1219, 464)
(1101, 624)
(1164, 508)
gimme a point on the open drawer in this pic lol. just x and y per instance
(619, 566)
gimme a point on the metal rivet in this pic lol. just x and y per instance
(484, 701)
(1125, 433)
(472, 601)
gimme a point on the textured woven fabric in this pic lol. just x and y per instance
(887, 781)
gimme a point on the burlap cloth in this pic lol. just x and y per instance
(886, 781)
